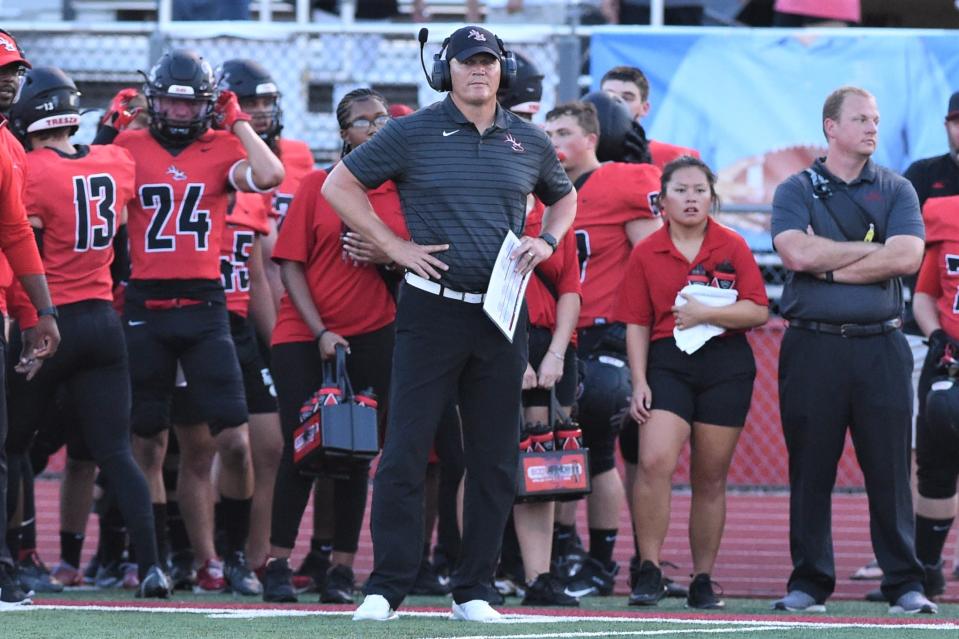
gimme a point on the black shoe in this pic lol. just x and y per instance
(701, 594)
(592, 579)
(934, 582)
(240, 579)
(10, 591)
(673, 589)
(428, 582)
(547, 590)
(315, 566)
(34, 575)
(278, 582)
(339, 586)
(155, 584)
(495, 598)
(182, 572)
(649, 587)
(875, 596)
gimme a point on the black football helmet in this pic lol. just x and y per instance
(248, 79)
(621, 139)
(526, 90)
(48, 99)
(182, 74)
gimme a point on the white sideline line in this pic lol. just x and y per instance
(621, 633)
(508, 619)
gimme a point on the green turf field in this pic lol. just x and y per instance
(91, 614)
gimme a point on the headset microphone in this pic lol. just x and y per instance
(423, 37)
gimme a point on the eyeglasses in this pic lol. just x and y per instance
(364, 124)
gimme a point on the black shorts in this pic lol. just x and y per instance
(196, 336)
(257, 380)
(539, 339)
(714, 385)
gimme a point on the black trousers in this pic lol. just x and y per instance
(298, 373)
(446, 347)
(828, 383)
(91, 368)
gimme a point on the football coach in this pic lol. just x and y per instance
(463, 167)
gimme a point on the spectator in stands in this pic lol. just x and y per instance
(362, 9)
(847, 229)
(632, 87)
(817, 13)
(677, 12)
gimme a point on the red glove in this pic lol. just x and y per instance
(119, 115)
(227, 112)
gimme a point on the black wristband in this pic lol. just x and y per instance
(549, 239)
(321, 334)
(51, 311)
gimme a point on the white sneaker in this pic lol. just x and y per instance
(374, 608)
(474, 610)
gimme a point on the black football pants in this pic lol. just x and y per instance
(828, 383)
(447, 348)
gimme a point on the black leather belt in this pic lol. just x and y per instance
(848, 330)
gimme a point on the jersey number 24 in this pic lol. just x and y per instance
(190, 221)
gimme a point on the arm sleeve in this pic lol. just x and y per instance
(633, 305)
(16, 235)
(790, 210)
(928, 281)
(105, 135)
(383, 157)
(296, 234)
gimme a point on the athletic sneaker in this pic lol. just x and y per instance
(547, 590)
(649, 587)
(240, 579)
(209, 578)
(673, 589)
(934, 582)
(278, 582)
(69, 576)
(911, 603)
(11, 594)
(35, 576)
(155, 584)
(509, 586)
(701, 594)
(428, 582)
(374, 608)
(340, 584)
(109, 575)
(593, 578)
(869, 571)
(182, 572)
(798, 601)
(311, 575)
(90, 572)
(474, 610)
(131, 576)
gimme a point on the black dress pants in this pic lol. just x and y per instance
(447, 348)
(828, 383)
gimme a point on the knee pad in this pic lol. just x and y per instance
(938, 481)
(942, 409)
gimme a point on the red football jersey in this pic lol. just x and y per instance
(657, 271)
(248, 218)
(80, 200)
(176, 222)
(939, 275)
(664, 153)
(616, 193)
(298, 163)
(561, 270)
(351, 300)
(16, 236)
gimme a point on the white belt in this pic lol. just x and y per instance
(436, 288)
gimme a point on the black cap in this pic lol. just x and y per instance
(953, 112)
(468, 41)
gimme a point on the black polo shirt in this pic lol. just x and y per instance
(461, 186)
(887, 199)
(934, 177)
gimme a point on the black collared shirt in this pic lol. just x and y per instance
(889, 202)
(461, 186)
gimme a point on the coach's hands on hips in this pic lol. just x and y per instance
(360, 250)
(530, 252)
(418, 258)
(328, 342)
(641, 402)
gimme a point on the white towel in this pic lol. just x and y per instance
(690, 340)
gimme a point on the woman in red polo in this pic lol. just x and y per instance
(330, 300)
(700, 393)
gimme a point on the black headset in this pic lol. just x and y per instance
(440, 79)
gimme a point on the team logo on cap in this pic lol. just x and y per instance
(476, 35)
(517, 146)
(7, 44)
